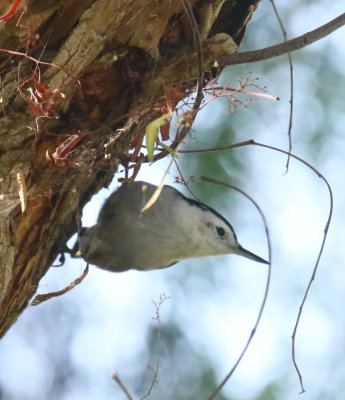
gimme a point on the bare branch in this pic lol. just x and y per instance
(286, 47)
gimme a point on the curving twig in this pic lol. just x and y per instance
(40, 298)
(282, 28)
(264, 300)
(318, 173)
(197, 41)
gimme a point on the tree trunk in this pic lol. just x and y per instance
(80, 80)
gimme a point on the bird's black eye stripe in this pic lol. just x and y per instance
(220, 231)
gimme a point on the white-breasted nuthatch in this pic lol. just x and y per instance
(174, 228)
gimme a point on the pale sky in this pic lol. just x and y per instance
(112, 311)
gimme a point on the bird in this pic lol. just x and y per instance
(173, 229)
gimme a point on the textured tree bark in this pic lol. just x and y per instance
(65, 127)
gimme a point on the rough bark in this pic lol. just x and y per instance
(113, 62)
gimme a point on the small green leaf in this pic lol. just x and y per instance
(151, 133)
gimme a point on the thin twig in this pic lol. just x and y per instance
(293, 337)
(220, 148)
(184, 181)
(286, 47)
(200, 83)
(40, 298)
(38, 62)
(252, 142)
(264, 300)
(121, 385)
(222, 90)
(157, 192)
(291, 83)
(157, 318)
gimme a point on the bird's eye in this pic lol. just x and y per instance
(220, 231)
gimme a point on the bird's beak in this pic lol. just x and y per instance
(245, 253)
